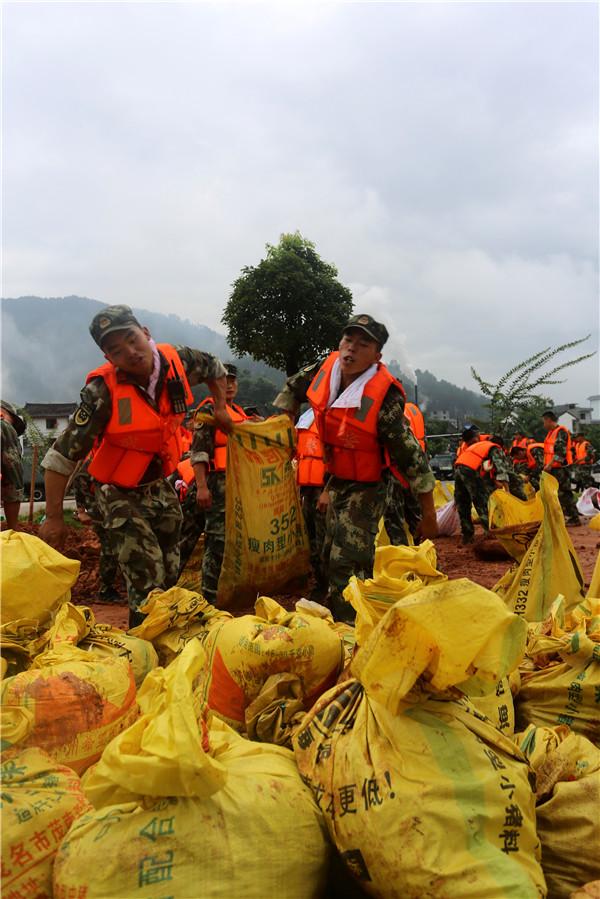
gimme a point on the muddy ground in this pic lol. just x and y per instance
(478, 561)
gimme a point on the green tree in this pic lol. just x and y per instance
(515, 392)
(289, 309)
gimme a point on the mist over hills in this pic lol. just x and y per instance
(47, 351)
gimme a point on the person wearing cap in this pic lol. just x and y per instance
(130, 413)
(209, 460)
(11, 485)
(480, 468)
(558, 458)
(359, 411)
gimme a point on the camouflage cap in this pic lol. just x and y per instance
(112, 318)
(231, 369)
(367, 323)
(17, 422)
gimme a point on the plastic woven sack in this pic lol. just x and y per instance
(40, 801)
(187, 807)
(567, 768)
(35, 579)
(417, 788)
(514, 522)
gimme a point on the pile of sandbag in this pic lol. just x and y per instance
(186, 807)
(422, 795)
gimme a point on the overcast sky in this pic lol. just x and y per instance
(443, 156)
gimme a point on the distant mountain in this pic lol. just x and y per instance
(47, 352)
(47, 349)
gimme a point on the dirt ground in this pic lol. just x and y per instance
(454, 560)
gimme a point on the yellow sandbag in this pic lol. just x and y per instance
(498, 706)
(397, 571)
(550, 565)
(594, 588)
(567, 768)
(513, 521)
(266, 545)
(191, 576)
(244, 652)
(594, 524)
(34, 578)
(79, 701)
(173, 618)
(20, 641)
(188, 808)
(421, 795)
(347, 632)
(443, 493)
(40, 801)
(106, 640)
(560, 677)
(15, 725)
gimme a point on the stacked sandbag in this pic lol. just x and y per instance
(560, 677)
(187, 807)
(173, 618)
(245, 652)
(549, 566)
(40, 801)
(79, 701)
(514, 522)
(567, 768)
(421, 794)
(35, 580)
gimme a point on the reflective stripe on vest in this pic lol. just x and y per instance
(416, 422)
(136, 431)
(309, 453)
(237, 414)
(549, 443)
(349, 436)
(474, 456)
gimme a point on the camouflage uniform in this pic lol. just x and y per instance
(85, 498)
(470, 488)
(563, 476)
(582, 471)
(144, 521)
(402, 511)
(192, 525)
(315, 528)
(12, 465)
(203, 450)
(534, 473)
(355, 507)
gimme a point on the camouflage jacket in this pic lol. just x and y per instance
(12, 464)
(392, 428)
(93, 413)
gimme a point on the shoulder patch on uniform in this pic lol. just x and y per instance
(83, 413)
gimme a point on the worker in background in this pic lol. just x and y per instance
(520, 440)
(558, 458)
(209, 459)
(535, 463)
(584, 457)
(359, 413)
(84, 491)
(11, 485)
(481, 468)
(310, 476)
(515, 483)
(130, 411)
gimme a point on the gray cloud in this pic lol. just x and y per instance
(444, 156)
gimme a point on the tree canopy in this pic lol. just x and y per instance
(289, 309)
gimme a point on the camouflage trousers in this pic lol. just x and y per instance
(582, 475)
(565, 494)
(214, 540)
(315, 527)
(350, 529)
(471, 489)
(108, 564)
(516, 485)
(402, 511)
(192, 525)
(144, 525)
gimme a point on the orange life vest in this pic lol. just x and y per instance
(352, 450)
(531, 460)
(309, 453)
(186, 470)
(416, 422)
(474, 456)
(522, 443)
(186, 439)
(549, 448)
(136, 431)
(581, 451)
(237, 414)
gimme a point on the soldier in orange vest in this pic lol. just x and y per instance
(359, 413)
(558, 458)
(481, 468)
(209, 459)
(310, 476)
(131, 411)
(584, 457)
